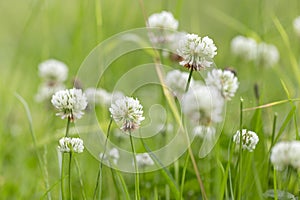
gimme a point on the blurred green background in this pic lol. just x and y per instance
(36, 30)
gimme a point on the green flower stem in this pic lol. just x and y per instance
(99, 176)
(62, 163)
(68, 127)
(189, 80)
(70, 182)
(241, 151)
(137, 187)
(275, 184)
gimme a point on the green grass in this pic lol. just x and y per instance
(32, 31)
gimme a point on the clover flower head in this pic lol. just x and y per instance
(203, 104)
(127, 113)
(113, 155)
(53, 70)
(296, 25)
(267, 54)
(163, 20)
(249, 139)
(244, 47)
(70, 103)
(279, 155)
(196, 52)
(176, 81)
(294, 154)
(204, 131)
(284, 154)
(97, 96)
(144, 159)
(74, 145)
(46, 91)
(225, 81)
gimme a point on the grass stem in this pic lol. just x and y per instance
(137, 187)
(70, 180)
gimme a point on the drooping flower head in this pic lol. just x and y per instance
(128, 113)
(244, 47)
(53, 70)
(203, 105)
(163, 20)
(74, 145)
(196, 52)
(225, 81)
(144, 159)
(249, 139)
(70, 103)
(176, 81)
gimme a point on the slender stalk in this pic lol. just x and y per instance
(275, 184)
(42, 165)
(63, 161)
(68, 127)
(62, 177)
(99, 175)
(137, 187)
(240, 151)
(189, 80)
(70, 180)
(183, 174)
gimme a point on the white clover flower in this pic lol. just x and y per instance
(294, 154)
(67, 144)
(163, 20)
(249, 139)
(296, 25)
(144, 159)
(128, 113)
(280, 155)
(197, 53)
(176, 81)
(46, 91)
(244, 47)
(267, 54)
(70, 103)
(112, 155)
(285, 154)
(53, 70)
(225, 81)
(204, 131)
(166, 23)
(97, 96)
(203, 104)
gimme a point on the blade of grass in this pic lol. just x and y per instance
(286, 41)
(186, 162)
(80, 179)
(40, 162)
(231, 22)
(285, 123)
(271, 104)
(165, 172)
(124, 186)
